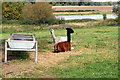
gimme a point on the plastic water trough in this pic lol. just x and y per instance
(21, 42)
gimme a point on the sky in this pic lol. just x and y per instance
(105, 0)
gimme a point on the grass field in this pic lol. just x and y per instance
(95, 55)
(80, 13)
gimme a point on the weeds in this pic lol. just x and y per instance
(15, 28)
(79, 20)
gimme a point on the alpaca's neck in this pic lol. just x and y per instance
(53, 36)
(68, 36)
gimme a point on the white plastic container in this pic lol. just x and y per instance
(21, 41)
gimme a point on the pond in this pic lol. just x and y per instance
(109, 16)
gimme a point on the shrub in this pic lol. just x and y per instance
(4, 20)
(52, 21)
(40, 12)
(12, 10)
(62, 21)
(115, 8)
(104, 16)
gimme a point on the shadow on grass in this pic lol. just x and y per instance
(13, 55)
(17, 55)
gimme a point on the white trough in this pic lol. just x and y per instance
(21, 42)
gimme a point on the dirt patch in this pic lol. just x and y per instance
(53, 58)
(45, 60)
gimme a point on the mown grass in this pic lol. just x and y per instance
(101, 65)
(99, 58)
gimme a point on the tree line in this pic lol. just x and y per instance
(28, 13)
(13, 10)
(83, 3)
(31, 12)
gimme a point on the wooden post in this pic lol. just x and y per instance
(36, 53)
(5, 51)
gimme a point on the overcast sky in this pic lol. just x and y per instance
(105, 0)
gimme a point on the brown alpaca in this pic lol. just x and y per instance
(62, 47)
(66, 45)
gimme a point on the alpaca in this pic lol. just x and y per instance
(58, 38)
(66, 45)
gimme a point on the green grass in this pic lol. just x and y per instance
(79, 20)
(101, 65)
(95, 37)
(92, 13)
(20, 28)
(99, 58)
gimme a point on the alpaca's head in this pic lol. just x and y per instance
(69, 30)
(51, 30)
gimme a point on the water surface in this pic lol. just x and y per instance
(109, 16)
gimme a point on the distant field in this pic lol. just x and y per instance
(72, 12)
(80, 13)
(97, 8)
